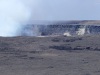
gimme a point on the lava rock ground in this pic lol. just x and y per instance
(50, 55)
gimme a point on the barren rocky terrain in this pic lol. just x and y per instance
(58, 55)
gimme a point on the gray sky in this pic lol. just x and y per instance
(66, 10)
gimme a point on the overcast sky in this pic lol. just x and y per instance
(66, 10)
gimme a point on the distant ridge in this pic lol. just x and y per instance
(81, 22)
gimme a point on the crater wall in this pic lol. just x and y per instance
(60, 29)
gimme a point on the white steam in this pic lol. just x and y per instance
(81, 31)
(67, 34)
(13, 14)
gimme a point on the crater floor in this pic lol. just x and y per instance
(50, 55)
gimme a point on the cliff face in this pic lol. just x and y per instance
(68, 29)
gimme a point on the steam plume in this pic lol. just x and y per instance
(81, 31)
(13, 14)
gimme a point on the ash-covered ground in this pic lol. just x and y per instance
(60, 55)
